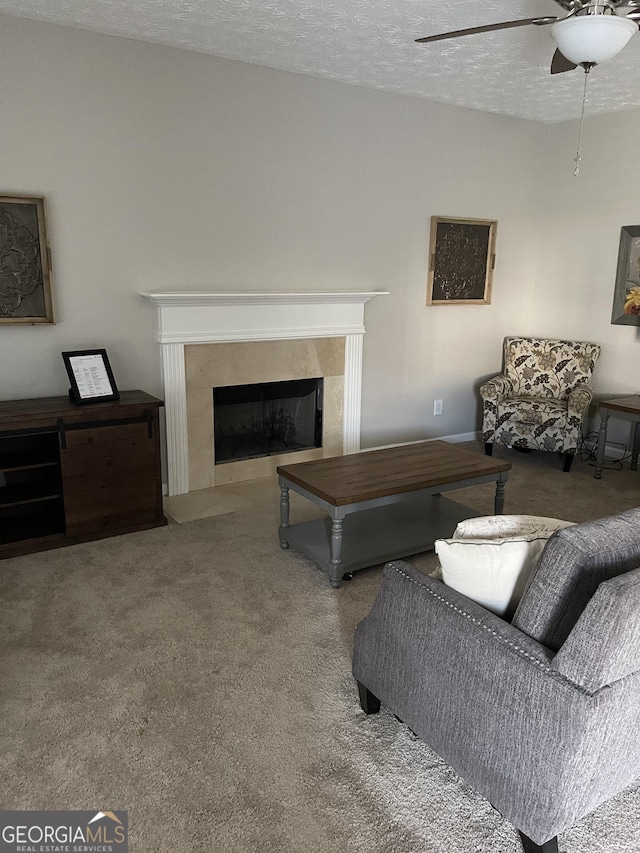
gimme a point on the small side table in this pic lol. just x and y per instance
(630, 406)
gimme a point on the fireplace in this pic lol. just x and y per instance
(266, 419)
(207, 335)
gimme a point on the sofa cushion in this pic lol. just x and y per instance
(490, 558)
(574, 563)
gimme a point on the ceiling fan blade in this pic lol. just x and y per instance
(488, 28)
(629, 9)
(560, 63)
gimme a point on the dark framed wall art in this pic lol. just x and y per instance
(25, 261)
(461, 261)
(626, 296)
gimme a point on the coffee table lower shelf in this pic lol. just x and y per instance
(373, 536)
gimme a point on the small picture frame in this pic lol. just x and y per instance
(90, 376)
(462, 256)
(626, 295)
(25, 261)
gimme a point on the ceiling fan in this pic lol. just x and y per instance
(592, 31)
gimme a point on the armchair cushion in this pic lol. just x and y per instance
(489, 559)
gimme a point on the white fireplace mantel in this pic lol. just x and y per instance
(198, 317)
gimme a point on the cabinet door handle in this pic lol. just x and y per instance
(149, 419)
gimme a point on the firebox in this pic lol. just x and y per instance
(266, 418)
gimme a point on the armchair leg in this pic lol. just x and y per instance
(529, 846)
(488, 448)
(369, 703)
(568, 459)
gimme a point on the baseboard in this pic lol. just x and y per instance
(614, 451)
(452, 439)
(462, 436)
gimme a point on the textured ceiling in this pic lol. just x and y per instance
(371, 43)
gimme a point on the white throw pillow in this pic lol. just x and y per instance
(490, 559)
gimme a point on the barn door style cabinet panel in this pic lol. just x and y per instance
(73, 473)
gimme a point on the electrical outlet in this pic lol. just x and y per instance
(437, 407)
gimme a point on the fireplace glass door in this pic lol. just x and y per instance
(265, 419)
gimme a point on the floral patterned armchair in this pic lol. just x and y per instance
(540, 400)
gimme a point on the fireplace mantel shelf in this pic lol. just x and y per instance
(185, 298)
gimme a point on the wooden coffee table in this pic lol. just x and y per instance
(393, 500)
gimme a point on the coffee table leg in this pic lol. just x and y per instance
(498, 502)
(602, 440)
(284, 514)
(336, 571)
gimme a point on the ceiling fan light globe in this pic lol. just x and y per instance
(592, 38)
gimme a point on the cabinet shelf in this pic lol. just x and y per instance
(25, 461)
(27, 493)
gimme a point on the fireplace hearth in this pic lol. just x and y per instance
(266, 418)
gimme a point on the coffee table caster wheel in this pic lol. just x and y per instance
(347, 576)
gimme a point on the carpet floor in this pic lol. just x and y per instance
(199, 677)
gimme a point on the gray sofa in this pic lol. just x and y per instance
(541, 715)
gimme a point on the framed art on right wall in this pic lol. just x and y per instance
(626, 296)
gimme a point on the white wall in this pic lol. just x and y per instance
(166, 169)
(579, 240)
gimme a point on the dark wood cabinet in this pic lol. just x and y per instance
(73, 473)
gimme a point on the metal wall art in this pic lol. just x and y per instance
(461, 261)
(25, 262)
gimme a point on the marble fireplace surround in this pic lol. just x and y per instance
(189, 319)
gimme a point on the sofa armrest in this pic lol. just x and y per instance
(497, 388)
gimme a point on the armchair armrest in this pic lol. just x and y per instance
(417, 617)
(497, 388)
(578, 400)
(492, 392)
(484, 696)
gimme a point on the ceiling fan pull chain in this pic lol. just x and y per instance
(578, 157)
